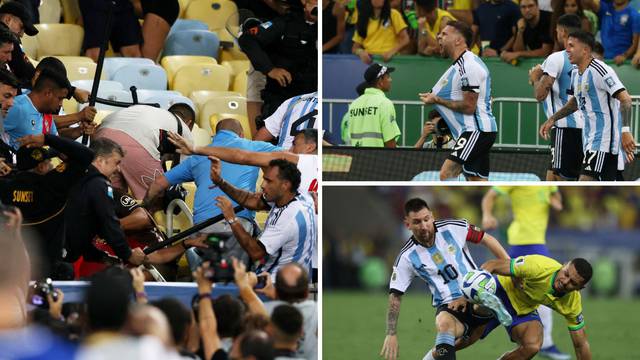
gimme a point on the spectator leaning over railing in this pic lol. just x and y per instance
(431, 20)
(380, 30)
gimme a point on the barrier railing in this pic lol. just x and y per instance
(499, 104)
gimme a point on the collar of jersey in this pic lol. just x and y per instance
(373, 91)
(552, 291)
(459, 57)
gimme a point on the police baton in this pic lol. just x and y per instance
(190, 231)
(103, 49)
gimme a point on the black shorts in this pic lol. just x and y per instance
(600, 165)
(469, 320)
(566, 152)
(125, 29)
(472, 152)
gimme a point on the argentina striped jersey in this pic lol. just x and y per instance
(468, 73)
(557, 66)
(296, 113)
(442, 266)
(290, 234)
(594, 90)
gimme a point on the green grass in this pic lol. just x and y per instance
(354, 327)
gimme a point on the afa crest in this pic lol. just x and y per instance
(437, 258)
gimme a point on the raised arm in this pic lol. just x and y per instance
(390, 347)
(581, 344)
(489, 222)
(249, 200)
(243, 157)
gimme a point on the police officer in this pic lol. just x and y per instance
(372, 117)
(91, 212)
(285, 50)
(40, 191)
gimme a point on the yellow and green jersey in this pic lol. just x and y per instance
(530, 206)
(537, 274)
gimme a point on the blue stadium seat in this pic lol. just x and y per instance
(112, 64)
(117, 95)
(188, 24)
(142, 76)
(166, 99)
(192, 42)
(104, 85)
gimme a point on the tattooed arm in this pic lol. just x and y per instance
(249, 200)
(390, 347)
(628, 142)
(569, 108)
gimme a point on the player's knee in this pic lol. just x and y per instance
(531, 348)
(444, 324)
(445, 173)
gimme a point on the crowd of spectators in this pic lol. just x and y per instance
(507, 29)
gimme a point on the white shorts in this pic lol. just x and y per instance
(256, 81)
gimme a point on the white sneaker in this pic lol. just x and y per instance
(493, 302)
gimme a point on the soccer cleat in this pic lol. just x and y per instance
(493, 302)
(553, 353)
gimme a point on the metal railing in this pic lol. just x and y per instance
(498, 105)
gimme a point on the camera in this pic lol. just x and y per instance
(220, 267)
(39, 291)
(262, 282)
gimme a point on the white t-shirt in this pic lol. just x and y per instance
(143, 123)
(308, 166)
(308, 344)
(296, 113)
(290, 235)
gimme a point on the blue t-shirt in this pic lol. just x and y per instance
(197, 168)
(617, 28)
(24, 119)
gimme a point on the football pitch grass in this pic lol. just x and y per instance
(354, 328)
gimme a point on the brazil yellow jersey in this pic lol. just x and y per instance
(381, 37)
(530, 206)
(537, 273)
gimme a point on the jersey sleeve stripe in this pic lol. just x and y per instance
(511, 269)
(405, 247)
(577, 327)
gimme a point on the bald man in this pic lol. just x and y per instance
(292, 287)
(196, 168)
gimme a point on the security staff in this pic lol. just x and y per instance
(91, 212)
(15, 17)
(285, 50)
(40, 191)
(372, 117)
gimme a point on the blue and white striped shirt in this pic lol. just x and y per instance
(290, 234)
(557, 66)
(296, 113)
(468, 73)
(442, 266)
(594, 90)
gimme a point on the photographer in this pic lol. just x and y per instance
(290, 232)
(285, 50)
(440, 134)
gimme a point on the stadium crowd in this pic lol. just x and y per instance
(507, 29)
(83, 194)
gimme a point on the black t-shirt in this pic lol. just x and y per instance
(329, 26)
(496, 22)
(124, 203)
(535, 37)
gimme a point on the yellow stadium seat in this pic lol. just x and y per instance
(201, 137)
(237, 66)
(214, 13)
(100, 115)
(221, 105)
(173, 63)
(71, 12)
(70, 106)
(200, 97)
(59, 39)
(50, 11)
(70, 59)
(229, 53)
(30, 46)
(201, 77)
(240, 84)
(81, 71)
(244, 121)
(261, 218)
(183, 7)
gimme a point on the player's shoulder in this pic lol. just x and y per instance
(451, 224)
(471, 62)
(599, 68)
(405, 251)
(539, 260)
(557, 57)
